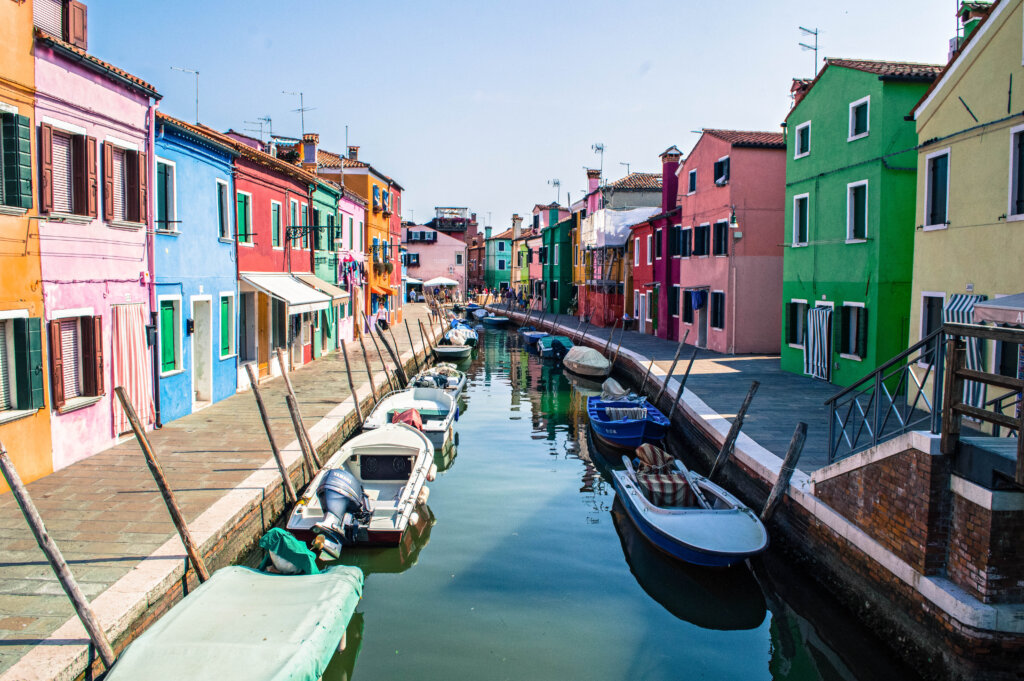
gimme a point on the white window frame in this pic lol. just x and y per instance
(853, 105)
(796, 229)
(928, 187)
(693, 174)
(458, 258)
(179, 354)
(284, 229)
(799, 346)
(248, 231)
(657, 253)
(234, 324)
(844, 355)
(650, 249)
(227, 206)
(172, 214)
(849, 212)
(636, 252)
(1011, 184)
(796, 140)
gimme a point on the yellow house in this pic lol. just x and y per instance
(969, 242)
(24, 418)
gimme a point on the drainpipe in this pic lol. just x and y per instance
(151, 255)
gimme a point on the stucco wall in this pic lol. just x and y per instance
(437, 257)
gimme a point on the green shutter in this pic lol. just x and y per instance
(16, 166)
(862, 332)
(167, 359)
(242, 218)
(28, 363)
(225, 326)
(161, 196)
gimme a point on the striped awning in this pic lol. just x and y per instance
(959, 309)
(816, 346)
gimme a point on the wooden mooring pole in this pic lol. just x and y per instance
(380, 354)
(400, 375)
(611, 334)
(56, 560)
(584, 334)
(734, 431)
(796, 446)
(643, 384)
(412, 346)
(369, 370)
(423, 339)
(622, 334)
(351, 383)
(682, 385)
(286, 480)
(672, 367)
(308, 450)
(165, 489)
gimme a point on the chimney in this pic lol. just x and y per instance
(669, 180)
(517, 225)
(353, 153)
(799, 88)
(970, 14)
(310, 142)
(487, 232)
(593, 179)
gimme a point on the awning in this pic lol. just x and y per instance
(413, 280)
(1005, 310)
(440, 281)
(959, 309)
(323, 286)
(382, 290)
(298, 296)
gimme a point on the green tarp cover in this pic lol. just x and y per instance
(285, 545)
(247, 625)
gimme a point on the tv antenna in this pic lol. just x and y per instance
(623, 163)
(598, 148)
(805, 47)
(196, 74)
(302, 108)
(557, 184)
(261, 121)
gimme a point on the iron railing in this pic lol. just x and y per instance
(891, 400)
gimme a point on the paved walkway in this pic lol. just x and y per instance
(722, 381)
(106, 514)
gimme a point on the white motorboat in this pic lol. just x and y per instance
(452, 351)
(442, 375)
(587, 362)
(436, 408)
(367, 491)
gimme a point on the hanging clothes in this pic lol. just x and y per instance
(959, 309)
(698, 298)
(130, 365)
(817, 348)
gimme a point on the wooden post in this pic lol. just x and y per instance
(584, 334)
(734, 431)
(304, 442)
(165, 489)
(576, 331)
(56, 560)
(300, 428)
(611, 334)
(682, 384)
(369, 370)
(400, 376)
(383, 364)
(955, 353)
(289, 489)
(647, 374)
(672, 367)
(412, 346)
(622, 334)
(796, 445)
(423, 339)
(351, 384)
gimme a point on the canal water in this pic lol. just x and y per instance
(525, 567)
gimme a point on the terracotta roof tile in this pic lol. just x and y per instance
(890, 69)
(639, 182)
(197, 130)
(507, 234)
(255, 155)
(749, 138)
(327, 159)
(97, 62)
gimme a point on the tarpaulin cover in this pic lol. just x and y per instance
(608, 228)
(287, 546)
(246, 625)
(409, 417)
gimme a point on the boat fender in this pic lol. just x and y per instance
(432, 473)
(456, 413)
(424, 495)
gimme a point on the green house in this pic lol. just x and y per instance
(326, 229)
(851, 174)
(498, 260)
(556, 257)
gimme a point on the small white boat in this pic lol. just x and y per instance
(436, 408)
(367, 490)
(684, 514)
(452, 351)
(587, 362)
(442, 375)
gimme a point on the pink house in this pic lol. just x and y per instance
(351, 258)
(94, 123)
(431, 254)
(728, 240)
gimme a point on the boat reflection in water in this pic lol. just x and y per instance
(723, 599)
(343, 664)
(445, 456)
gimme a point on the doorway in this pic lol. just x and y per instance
(641, 322)
(702, 326)
(202, 352)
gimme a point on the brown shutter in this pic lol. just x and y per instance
(88, 353)
(108, 182)
(56, 364)
(131, 182)
(78, 29)
(46, 168)
(143, 181)
(97, 349)
(92, 182)
(79, 177)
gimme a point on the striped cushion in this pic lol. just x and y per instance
(666, 489)
(652, 458)
(621, 413)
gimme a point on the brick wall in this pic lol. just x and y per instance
(986, 552)
(901, 501)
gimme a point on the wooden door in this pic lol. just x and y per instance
(263, 333)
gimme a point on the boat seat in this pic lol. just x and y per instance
(666, 489)
(623, 413)
(652, 459)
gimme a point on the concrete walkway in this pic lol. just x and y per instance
(109, 520)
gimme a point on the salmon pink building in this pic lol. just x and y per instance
(430, 254)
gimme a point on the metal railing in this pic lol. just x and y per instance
(891, 400)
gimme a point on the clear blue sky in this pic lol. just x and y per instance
(479, 104)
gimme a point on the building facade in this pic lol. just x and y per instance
(431, 254)
(498, 257)
(556, 259)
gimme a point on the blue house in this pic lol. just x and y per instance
(194, 268)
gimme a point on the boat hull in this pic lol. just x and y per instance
(626, 433)
(494, 321)
(453, 351)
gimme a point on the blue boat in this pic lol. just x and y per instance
(494, 320)
(684, 514)
(531, 335)
(468, 333)
(626, 424)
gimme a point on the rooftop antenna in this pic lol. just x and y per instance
(623, 163)
(261, 121)
(805, 47)
(557, 184)
(302, 108)
(598, 148)
(196, 74)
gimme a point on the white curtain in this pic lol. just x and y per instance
(816, 344)
(130, 365)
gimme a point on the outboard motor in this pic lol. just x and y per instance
(345, 506)
(560, 350)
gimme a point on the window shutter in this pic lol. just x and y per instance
(56, 364)
(142, 174)
(28, 351)
(79, 176)
(225, 326)
(725, 168)
(91, 180)
(167, 330)
(16, 161)
(78, 29)
(5, 384)
(862, 332)
(132, 172)
(1019, 166)
(108, 182)
(95, 357)
(45, 168)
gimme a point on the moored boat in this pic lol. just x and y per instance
(684, 514)
(494, 320)
(626, 424)
(436, 408)
(531, 335)
(468, 334)
(442, 375)
(587, 362)
(453, 351)
(554, 346)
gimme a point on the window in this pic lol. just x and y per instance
(717, 310)
(501, 264)
(170, 335)
(227, 325)
(722, 171)
(803, 140)
(1009, 359)
(931, 312)
(636, 252)
(124, 184)
(68, 169)
(674, 241)
(536, 221)
(673, 300)
(692, 179)
(21, 364)
(62, 19)
(702, 240)
(243, 217)
(15, 160)
(166, 202)
(247, 328)
(657, 244)
(279, 323)
(76, 359)
(224, 221)
(554, 256)
(853, 331)
(294, 220)
(936, 198)
(636, 304)
(721, 245)
(1017, 171)
(650, 300)
(576, 255)
(554, 290)
(501, 247)
(800, 205)
(796, 321)
(118, 182)
(305, 225)
(857, 211)
(687, 307)
(275, 224)
(458, 258)
(685, 242)
(351, 232)
(859, 119)
(650, 249)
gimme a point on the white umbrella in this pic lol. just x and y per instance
(440, 281)
(413, 280)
